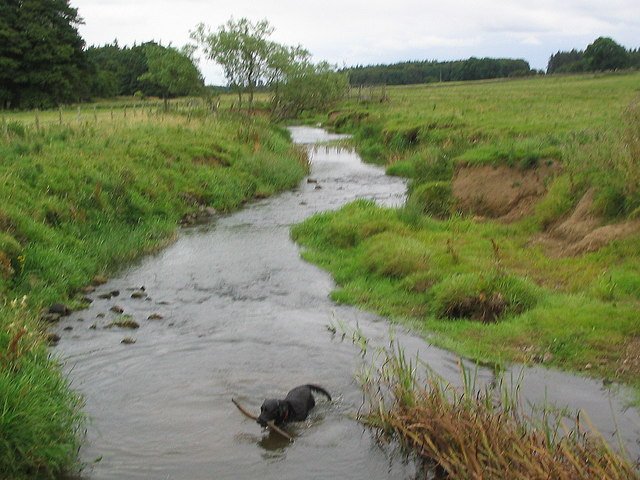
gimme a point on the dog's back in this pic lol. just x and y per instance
(301, 401)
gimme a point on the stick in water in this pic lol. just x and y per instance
(270, 424)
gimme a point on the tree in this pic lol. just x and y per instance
(309, 87)
(172, 71)
(242, 48)
(572, 61)
(605, 54)
(42, 61)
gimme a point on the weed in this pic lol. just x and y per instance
(472, 432)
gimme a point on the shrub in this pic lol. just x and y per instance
(433, 198)
(480, 297)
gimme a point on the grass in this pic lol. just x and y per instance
(578, 313)
(586, 122)
(472, 432)
(40, 417)
(83, 197)
(487, 291)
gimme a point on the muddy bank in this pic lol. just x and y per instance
(510, 194)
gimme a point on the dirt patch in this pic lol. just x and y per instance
(503, 193)
(509, 194)
(583, 232)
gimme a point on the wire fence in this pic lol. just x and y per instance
(24, 122)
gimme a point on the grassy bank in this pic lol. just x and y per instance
(552, 279)
(83, 197)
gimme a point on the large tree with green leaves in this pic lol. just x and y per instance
(605, 54)
(42, 62)
(250, 59)
(172, 71)
(309, 87)
(242, 49)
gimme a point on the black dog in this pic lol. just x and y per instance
(294, 408)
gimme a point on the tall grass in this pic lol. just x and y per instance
(40, 417)
(482, 433)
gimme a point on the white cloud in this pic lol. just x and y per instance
(379, 31)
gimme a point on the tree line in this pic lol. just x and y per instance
(407, 73)
(44, 62)
(603, 54)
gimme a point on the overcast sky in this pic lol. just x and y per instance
(364, 32)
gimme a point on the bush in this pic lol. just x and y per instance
(484, 298)
(433, 198)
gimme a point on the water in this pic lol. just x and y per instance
(244, 317)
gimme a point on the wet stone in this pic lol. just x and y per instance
(125, 323)
(59, 308)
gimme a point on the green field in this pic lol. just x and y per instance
(83, 194)
(543, 282)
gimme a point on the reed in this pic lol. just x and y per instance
(482, 433)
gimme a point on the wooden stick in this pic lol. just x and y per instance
(270, 424)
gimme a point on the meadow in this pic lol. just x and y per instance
(554, 278)
(84, 192)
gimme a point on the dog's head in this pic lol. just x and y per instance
(273, 410)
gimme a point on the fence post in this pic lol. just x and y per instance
(95, 115)
(60, 115)
(79, 116)
(37, 121)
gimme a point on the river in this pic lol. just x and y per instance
(239, 314)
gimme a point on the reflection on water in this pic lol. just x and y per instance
(232, 311)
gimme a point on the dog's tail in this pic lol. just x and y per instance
(319, 389)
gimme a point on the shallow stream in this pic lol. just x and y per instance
(239, 314)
